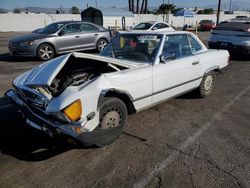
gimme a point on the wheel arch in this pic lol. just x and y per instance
(214, 68)
(46, 43)
(102, 37)
(120, 94)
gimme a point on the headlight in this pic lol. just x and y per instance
(74, 110)
(28, 43)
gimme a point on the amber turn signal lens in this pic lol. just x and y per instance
(74, 110)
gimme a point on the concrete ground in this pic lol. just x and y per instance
(184, 142)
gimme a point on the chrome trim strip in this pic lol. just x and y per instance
(161, 91)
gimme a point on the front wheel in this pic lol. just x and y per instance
(207, 84)
(45, 52)
(101, 43)
(113, 119)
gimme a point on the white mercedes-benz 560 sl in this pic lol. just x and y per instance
(88, 97)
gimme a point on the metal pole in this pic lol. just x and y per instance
(230, 6)
(218, 13)
(95, 3)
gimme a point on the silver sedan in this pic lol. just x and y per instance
(60, 37)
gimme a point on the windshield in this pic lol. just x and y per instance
(134, 47)
(143, 26)
(51, 28)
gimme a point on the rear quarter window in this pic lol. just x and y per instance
(195, 46)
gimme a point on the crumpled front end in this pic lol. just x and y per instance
(61, 96)
(33, 108)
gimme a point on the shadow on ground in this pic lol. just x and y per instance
(240, 57)
(8, 58)
(24, 143)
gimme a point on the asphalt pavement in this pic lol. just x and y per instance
(184, 142)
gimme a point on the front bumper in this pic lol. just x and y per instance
(22, 51)
(49, 125)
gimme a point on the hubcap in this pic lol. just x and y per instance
(102, 44)
(111, 118)
(46, 52)
(208, 83)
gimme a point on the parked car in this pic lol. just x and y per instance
(206, 25)
(233, 35)
(153, 26)
(60, 37)
(187, 27)
(88, 97)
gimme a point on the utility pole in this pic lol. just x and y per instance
(218, 13)
(95, 3)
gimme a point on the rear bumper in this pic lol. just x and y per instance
(232, 48)
(51, 126)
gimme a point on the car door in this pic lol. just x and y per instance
(68, 38)
(178, 75)
(88, 36)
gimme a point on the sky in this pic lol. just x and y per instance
(82, 4)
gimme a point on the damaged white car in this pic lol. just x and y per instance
(88, 97)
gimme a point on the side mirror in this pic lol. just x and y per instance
(166, 56)
(61, 33)
(154, 28)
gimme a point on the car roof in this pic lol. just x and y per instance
(154, 32)
(72, 21)
(152, 22)
(242, 19)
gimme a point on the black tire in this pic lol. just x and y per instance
(111, 126)
(207, 84)
(101, 43)
(45, 52)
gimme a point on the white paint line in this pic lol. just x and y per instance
(173, 156)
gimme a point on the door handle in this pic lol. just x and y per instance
(77, 36)
(96, 34)
(195, 63)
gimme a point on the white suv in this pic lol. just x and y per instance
(233, 35)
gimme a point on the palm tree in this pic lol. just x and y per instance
(142, 5)
(137, 6)
(133, 6)
(165, 9)
(129, 5)
(146, 7)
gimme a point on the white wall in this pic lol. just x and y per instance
(116, 21)
(179, 21)
(30, 22)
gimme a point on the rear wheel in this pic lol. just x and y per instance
(101, 43)
(113, 119)
(207, 85)
(45, 52)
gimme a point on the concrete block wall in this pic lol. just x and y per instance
(30, 22)
(179, 21)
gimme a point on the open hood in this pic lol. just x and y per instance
(44, 74)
